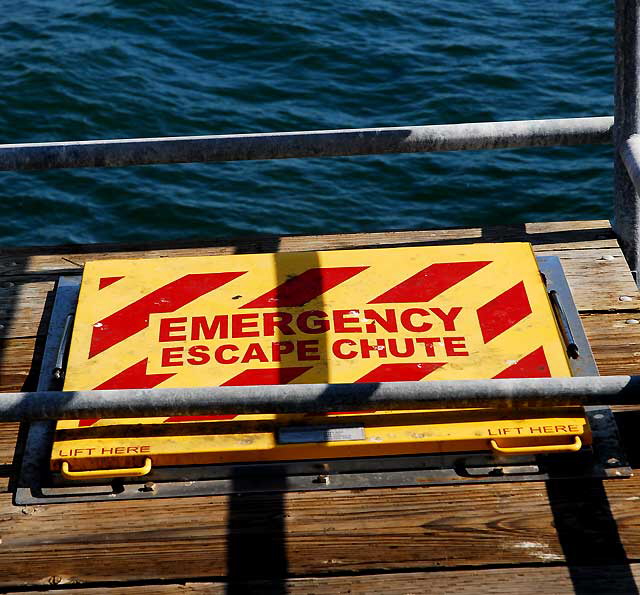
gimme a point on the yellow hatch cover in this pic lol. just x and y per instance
(419, 313)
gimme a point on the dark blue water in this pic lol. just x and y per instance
(97, 69)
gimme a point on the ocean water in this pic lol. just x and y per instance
(114, 69)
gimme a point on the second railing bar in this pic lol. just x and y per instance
(321, 398)
(314, 143)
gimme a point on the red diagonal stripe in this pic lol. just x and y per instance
(263, 376)
(400, 372)
(133, 318)
(534, 365)
(133, 377)
(253, 377)
(429, 282)
(106, 281)
(503, 311)
(394, 373)
(198, 418)
(302, 288)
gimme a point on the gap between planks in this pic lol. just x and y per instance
(555, 580)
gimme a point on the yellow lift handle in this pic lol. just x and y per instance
(106, 473)
(575, 446)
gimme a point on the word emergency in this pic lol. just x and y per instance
(280, 325)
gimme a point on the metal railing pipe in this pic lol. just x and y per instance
(314, 143)
(626, 222)
(630, 154)
(320, 398)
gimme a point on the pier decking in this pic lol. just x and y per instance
(569, 536)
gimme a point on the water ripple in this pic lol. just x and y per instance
(151, 68)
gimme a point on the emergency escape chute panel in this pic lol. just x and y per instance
(381, 315)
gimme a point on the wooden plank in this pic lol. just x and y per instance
(19, 363)
(545, 236)
(615, 343)
(25, 304)
(262, 536)
(610, 580)
(8, 437)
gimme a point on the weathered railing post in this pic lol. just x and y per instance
(626, 123)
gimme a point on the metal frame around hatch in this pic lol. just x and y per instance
(606, 459)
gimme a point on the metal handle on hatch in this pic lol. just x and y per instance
(575, 446)
(106, 473)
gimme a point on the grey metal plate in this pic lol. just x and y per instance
(37, 450)
(604, 460)
(302, 435)
(582, 363)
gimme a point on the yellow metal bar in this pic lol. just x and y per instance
(106, 473)
(399, 433)
(574, 446)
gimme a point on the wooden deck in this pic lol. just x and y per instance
(564, 537)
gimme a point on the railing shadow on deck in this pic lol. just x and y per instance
(253, 244)
(589, 537)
